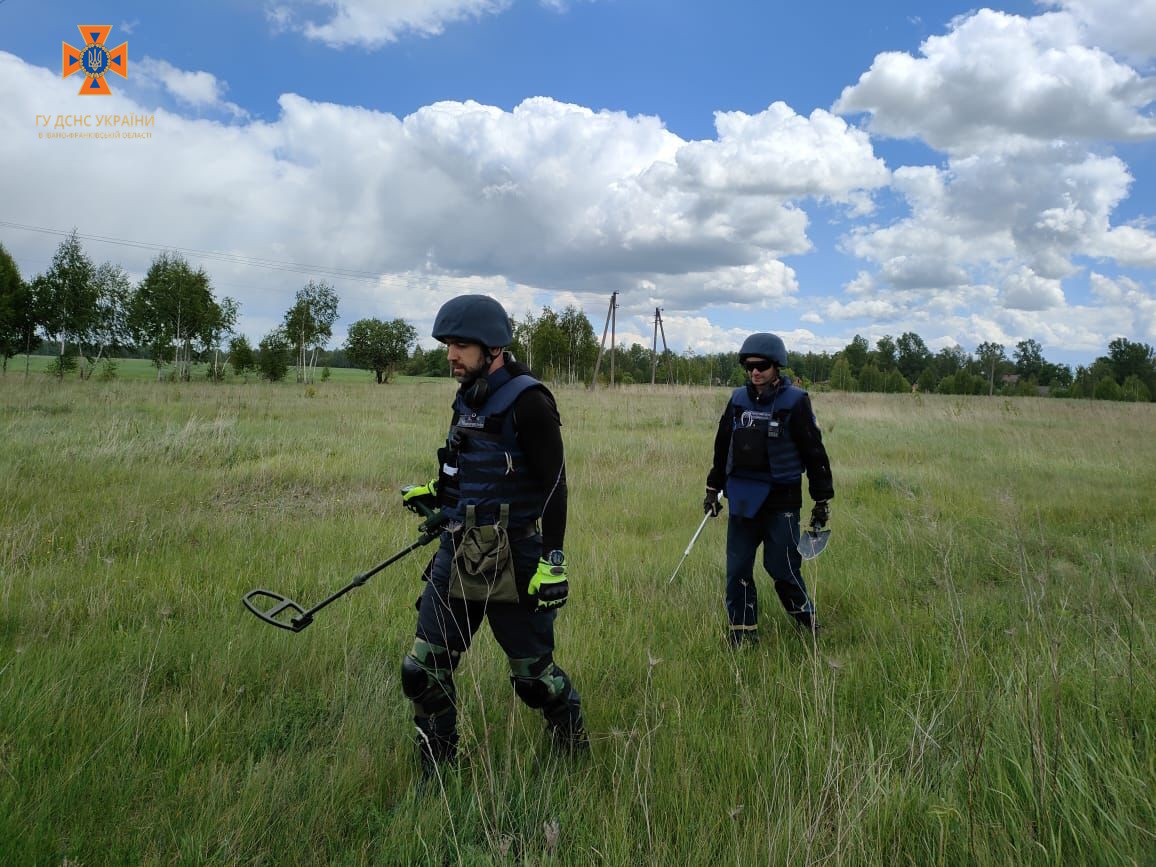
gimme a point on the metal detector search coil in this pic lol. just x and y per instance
(299, 618)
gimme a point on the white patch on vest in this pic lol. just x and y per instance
(750, 416)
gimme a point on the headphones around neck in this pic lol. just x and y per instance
(475, 395)
(477, 391)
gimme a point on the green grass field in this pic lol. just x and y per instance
(143, 370)
(983, 692)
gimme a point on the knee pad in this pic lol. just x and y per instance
(427, 678)
(538, 681)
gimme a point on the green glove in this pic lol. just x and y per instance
(548, 588)
(421, 499)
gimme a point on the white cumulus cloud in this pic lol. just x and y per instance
(996, 81)
(546, 198)
(372, 23)
(1126, 27)
(197, 89)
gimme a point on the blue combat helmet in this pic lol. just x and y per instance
(762, 345)
(473, 319)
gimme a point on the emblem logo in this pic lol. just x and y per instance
(94, 60)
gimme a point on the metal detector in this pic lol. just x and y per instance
(298, 618)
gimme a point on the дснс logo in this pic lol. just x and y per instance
(94, 60)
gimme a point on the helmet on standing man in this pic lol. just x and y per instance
(763, 345)
(473, 319)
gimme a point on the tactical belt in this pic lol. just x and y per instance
(456, 529)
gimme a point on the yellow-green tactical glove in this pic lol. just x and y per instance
(421, 499)
(548, 588)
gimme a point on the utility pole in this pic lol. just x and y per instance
(613, 329)
(654, 345)
(610, 318)
(666, 352)
(658, 329)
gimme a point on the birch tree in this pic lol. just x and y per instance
(309, 324)
(109, 329)
(172, 312)
(991, 356)
(68, 296)
(19, 316)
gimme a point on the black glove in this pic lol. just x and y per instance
(712, 505)
(820, 514)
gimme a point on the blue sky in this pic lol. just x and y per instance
(820, 170)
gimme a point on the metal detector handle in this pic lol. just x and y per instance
(434, 521)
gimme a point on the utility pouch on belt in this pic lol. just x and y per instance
(749, 446)
(483, 564)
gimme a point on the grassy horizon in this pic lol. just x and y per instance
(983, 691)
(144, 370)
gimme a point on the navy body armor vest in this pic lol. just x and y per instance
(762, 453)
(482, 464)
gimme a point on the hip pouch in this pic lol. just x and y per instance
(483, 565)
(749, 448)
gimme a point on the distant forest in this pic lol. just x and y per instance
(85, 316)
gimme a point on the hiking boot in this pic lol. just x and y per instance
(437, 750)
(743, 637)
(808, 626)
(569, 740)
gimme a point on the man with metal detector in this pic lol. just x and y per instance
(502, 471)
(767, 438)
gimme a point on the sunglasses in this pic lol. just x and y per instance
(761, 365)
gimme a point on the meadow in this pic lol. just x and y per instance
(983, 691)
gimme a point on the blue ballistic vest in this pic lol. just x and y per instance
(482, 465)
(764, 420)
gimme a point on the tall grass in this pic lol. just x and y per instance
(982, 693)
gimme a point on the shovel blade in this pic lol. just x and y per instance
(812, 543)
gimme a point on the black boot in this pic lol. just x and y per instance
(437, 744)
(565, 727)
(746, 635)
(808, 625)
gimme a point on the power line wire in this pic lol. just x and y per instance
(217, 255)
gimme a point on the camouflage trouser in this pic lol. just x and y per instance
(445, 629)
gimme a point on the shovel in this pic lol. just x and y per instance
(812, 542)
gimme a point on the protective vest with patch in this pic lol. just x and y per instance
(762, 453)
(487, 490)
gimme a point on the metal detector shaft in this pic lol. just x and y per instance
(693, 539)
(300, 618)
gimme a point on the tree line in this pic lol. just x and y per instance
(90, 315)
(1126, 372)
(87, 316)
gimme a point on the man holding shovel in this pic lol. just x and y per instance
(767, 438)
